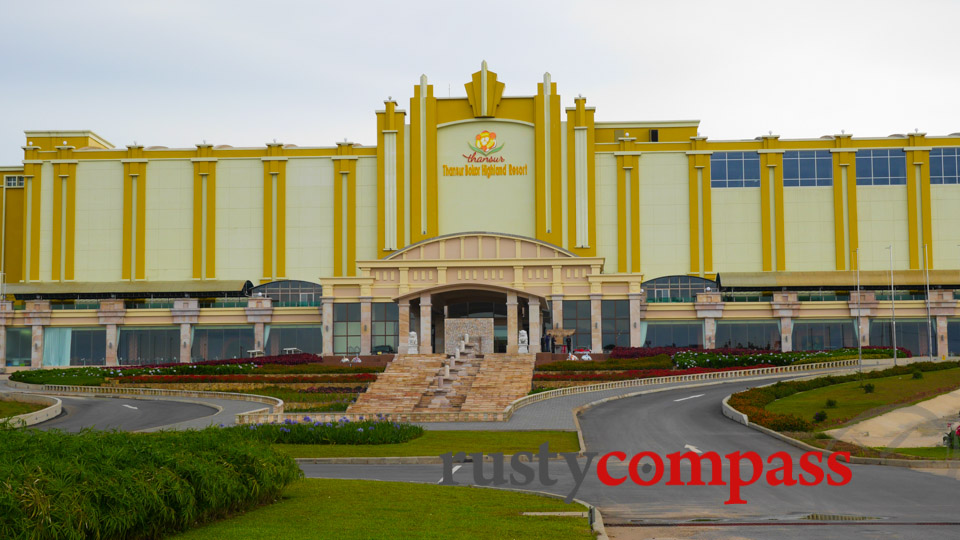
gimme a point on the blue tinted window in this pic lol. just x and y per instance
(944, 166)
(886, 167)
(807, 168)
(735, 169)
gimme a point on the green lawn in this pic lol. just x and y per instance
(361, 509)
(853, 405)
(434, 443)
(14, 408)
(935, 452)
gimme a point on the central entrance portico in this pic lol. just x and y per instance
(493, 283)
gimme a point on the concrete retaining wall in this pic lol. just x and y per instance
(53, 408)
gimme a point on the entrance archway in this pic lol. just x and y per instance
(493, 317)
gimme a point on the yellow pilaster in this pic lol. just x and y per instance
(64, 174)
(274, 223)
(32, 178)
(345, 196)
(204, 212)
(627, 163)
(134, 228)
(771, 204)
(390, 121)
(423, 163)
(701, 217)
(844, 158)
(919, 219)
(548, 163)
(581, 117)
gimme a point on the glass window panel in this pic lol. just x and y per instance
(623, 308)
(881, 167)
(791, 169)
(340, 312)
(377, 311)
(339, 344)
(825, 168)
(752, 169)
(734, 170)
(864, 168)
(898, 166)
(353, 312)
(379, 328)
(339, 328)
(353, 328)
(949, 167)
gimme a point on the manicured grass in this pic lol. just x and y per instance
(434, 443)
(853, 404)
(361, 509)
(930, 452)
(14, 408)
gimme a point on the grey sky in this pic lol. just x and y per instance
(174, 73)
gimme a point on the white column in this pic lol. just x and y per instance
(426, 344)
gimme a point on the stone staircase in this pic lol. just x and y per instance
(502, 378)
(401, 386)
(452, 384)
(465, 382)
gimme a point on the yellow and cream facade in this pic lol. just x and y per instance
(530, 200)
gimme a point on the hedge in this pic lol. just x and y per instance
(753, 402)
(99, 484)
(632, 374)
(661, 361)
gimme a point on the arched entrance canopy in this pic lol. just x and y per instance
(523, 269)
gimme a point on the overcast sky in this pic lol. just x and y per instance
(175, 73)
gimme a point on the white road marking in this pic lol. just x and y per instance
(130, 406)
(455, 469)
(691, 397)
(692, 448)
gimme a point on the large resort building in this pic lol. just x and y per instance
(485, 214)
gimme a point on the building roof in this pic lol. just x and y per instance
(869, 279)
(130, 289)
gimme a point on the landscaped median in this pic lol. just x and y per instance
(362, 509)
(805, 410)
(301, 381)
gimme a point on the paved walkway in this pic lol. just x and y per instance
(920, 425)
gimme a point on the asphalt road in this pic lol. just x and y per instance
(886, 502)
(123, 414)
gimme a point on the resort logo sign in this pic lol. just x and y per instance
(484, 161)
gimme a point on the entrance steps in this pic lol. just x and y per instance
(400, 387)
(502, 379)
(453, 381)
(435, 383)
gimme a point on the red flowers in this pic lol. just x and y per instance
(347, 378)
(632, 374)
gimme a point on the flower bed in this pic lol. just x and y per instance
(660, 361)
(343, 431)
(631, 374)
(745, 357)
(282, 379)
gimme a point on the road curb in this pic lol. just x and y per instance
(402, 460)
(53, 409)
(890, 462)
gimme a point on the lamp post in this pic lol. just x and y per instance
(859, 322)
(926, 276)
(893, 309)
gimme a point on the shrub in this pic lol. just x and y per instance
(831, 403)
(121, 485)
(868, 388)
(820, 416)
(918, 374)
(952, 439)
(628, 375)
(752, 402)
(660, 361)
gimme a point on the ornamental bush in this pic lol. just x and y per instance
(660, 361)
(752, 402)
(99, 484)
(631, 374)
